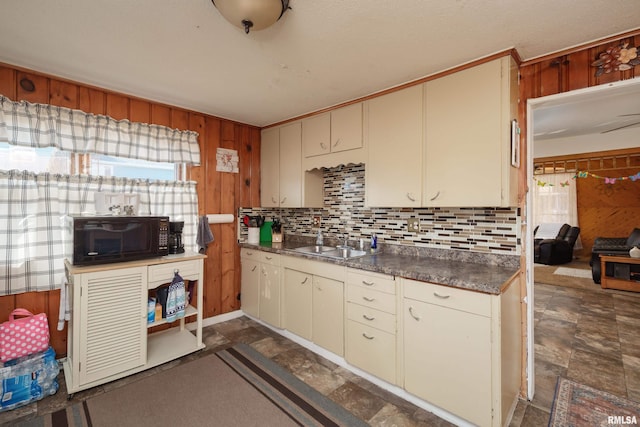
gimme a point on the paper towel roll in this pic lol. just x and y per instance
(220, 218)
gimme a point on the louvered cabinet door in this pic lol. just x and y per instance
(112, 323)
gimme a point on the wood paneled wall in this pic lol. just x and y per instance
(605, 211)
(217, 192)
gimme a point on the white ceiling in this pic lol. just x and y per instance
(321, 53)
(604, 111)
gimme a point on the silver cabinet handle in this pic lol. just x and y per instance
(368, 318)
(410, 197)
(323, 145)
(273, 200)
(254, 268)
(441, 296)
(249, 253)
(368, 299)
(413, 315)
(367, 283)
(268, 258)
(304, 281)
(282, 201)
(436, 196)
(367, 336)
(335, 144)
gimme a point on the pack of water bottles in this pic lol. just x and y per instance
(28, 378)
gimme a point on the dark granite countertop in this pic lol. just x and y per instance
(460, 269)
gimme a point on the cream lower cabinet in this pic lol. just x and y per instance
(371, 324)
(260, 293)
(107, 333)
(313, 302)
(455, 355)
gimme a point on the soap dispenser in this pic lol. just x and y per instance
(319, 239)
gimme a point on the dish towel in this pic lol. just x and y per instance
(205, 236)
(175, 299)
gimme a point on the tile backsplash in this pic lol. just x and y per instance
(486, 230)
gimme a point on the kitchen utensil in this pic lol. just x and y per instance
(245, 220)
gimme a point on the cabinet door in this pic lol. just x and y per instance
(112, 323)
(270, 294)
(291, 166)
(328, 314)
(250, 287)
(394, 172)
(270, 168)
(346, 128)
(464, 138)
(296, 313)
(316, 135)
(447, 359)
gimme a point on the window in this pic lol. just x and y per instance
(50, 159)
(32, 159)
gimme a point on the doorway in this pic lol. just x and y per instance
(569, 117)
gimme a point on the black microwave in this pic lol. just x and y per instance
(107, 239)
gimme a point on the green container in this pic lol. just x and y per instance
(265, 231)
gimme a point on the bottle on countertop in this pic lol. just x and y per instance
(374, 242)
(319, 239)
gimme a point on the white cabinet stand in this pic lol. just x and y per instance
(108, 334)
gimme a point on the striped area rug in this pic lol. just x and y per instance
(234, 387)
(579, 405)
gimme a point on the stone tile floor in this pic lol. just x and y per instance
(587, 336)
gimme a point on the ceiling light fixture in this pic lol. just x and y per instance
(252, 14)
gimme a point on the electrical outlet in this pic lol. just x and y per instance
(315, 222)
(413, 225)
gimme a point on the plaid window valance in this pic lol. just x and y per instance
(42, 125)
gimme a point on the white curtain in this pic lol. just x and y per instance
(555, 200)
(42, 125)
(33, 242)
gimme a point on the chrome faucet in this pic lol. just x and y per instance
(345, 237)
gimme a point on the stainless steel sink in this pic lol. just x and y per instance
(343, 252)
(315, 249)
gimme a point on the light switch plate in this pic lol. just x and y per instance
(413, 225)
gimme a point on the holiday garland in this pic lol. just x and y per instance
(584, 174)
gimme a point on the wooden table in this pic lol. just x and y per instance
(622, 283)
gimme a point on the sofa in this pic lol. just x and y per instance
(558, 250)
(611, 246)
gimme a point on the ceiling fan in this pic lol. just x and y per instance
(625, 126)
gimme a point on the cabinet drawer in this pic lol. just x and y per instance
(249, 253)
(445, 296)
(372, 350)
(379, 282)
(372, 317)
(163, 273)
(372, 298)
(269, 258)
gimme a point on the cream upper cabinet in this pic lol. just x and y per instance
(281, 167)
(393, 175)
(270, 168)
(336, 131)
(467, 137)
